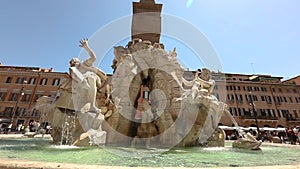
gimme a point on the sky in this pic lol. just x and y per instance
(248, 36)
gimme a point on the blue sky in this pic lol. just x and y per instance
(249, 36)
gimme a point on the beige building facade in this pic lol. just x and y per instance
(253, 100)
(261, 100)
(20, 87)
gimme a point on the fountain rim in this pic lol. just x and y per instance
(21, 164)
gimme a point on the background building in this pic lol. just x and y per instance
(261, 100)
(20, 87)
(253, 100)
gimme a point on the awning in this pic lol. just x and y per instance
(5, 120)
(253, 128)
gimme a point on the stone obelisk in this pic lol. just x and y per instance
(146, 21)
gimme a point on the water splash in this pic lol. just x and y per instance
(189, 3)
(215, 148)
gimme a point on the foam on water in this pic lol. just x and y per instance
(64, 147)
(214, 148)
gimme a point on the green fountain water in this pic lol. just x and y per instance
(39, 149)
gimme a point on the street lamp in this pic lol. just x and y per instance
(20, 94)
(255, 114)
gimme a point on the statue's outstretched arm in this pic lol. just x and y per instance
(85, 45)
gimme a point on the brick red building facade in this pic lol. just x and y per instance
(20, 87)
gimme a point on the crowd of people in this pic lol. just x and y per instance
(20, 128)
(289, 135)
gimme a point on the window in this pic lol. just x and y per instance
(35, 113)
(291, 99)
(268, 99)
(55, 82)
(20, 80)
(280, 90)
(233, 111)
(237, 88)
(229, 87)
(248, 98)
(241, 111)
(263, 98)
(276, 99)
(8, 111)
(279, 113)
(284, 99)
(8, 80)
(230, 97)
(296, 114)
(287, 90)
(273, 90)
(263, 89)
(247, 88)
(259, 112)
(268, 112)
(272, 113)
(285, 113)
(297, 99)
(26, 98)
(254, 97)
(263, 112)
(2, 96)
(32, 81)
(239, 98)
(250, 112)
(20, 111)
(13, 97)
(43, 81)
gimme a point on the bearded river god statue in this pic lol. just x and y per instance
(146, 102)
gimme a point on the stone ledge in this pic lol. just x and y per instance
(21, 164)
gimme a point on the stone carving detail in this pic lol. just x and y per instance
(172, 105)
(247, 141)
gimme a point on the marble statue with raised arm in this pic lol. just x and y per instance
(88, 79)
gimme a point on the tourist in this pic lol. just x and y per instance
(19, 127)
(8, 130)
(292, 136)
(297, 133)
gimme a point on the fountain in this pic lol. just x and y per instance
(147, 113)
(147, 95)
(146, 102)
